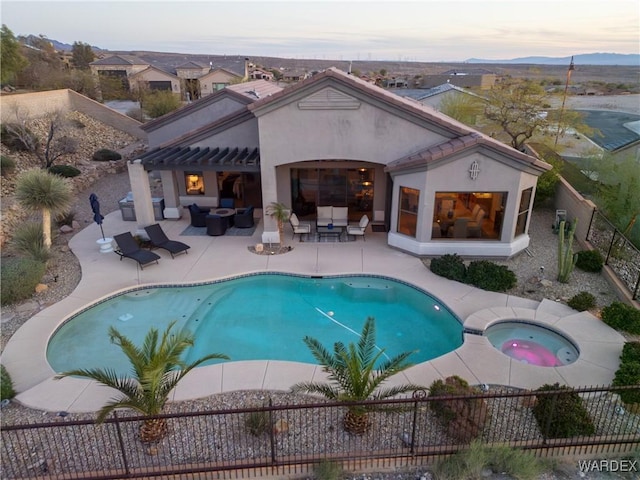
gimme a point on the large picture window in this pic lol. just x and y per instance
(337, 187)
(468, 215)
(408, 212)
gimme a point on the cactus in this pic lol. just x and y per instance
(566, 258)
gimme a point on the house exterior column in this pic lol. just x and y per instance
(141, 190)
(172, 207)
(269, 195)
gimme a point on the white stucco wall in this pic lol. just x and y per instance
(242, 135)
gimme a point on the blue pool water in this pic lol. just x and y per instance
(262, 317)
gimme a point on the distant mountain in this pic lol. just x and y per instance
(630, 59)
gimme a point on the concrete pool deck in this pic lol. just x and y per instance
(219, 257)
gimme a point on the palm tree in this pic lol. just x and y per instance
(38, 189)
(157, 368)
(354, 377)
(280, 212)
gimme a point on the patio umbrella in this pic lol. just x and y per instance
(95, 207)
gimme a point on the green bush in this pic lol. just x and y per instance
(590, 261)
(6, 384)
(582, 301)
(19, 277)
(7, 165)
(28, 239)
(463, 419)
(630, 352)
(562, 414)
(623, 317)
(160, 102)
(257, 423)
(328, 470)
(490, 276)
(66, 171)
(106, 155)
(628, 375)
(449, 266)
(473, 461)
(15, 141)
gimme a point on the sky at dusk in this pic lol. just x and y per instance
(425, 30)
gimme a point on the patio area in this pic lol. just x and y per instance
(226, 256)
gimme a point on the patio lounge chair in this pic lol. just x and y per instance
(160, 240)
(244, 217)
(128, 247)
(298, 228)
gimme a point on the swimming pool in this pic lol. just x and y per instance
(261, 317)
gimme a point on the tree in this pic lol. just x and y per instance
(463, 107)
(40, 190)
(519, 109)
(354, 376)
(157, 368)
(82, 55)
(11, 58)
(159, 102)
(44, 65)
(56, 143)
(280, 213)
(618, 196)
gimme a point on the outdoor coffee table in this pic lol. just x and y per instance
(229, 213)
(330, 231)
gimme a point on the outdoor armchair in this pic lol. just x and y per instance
(298, 228)
(360, 228)
(198, 215)
(160, 240)
(244, 217)
(129, 248)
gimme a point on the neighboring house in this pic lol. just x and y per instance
(474, 77)
(437, 185)
(433, 97)
(152, 78)
(191, 80)
(261, 74)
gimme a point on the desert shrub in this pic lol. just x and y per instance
(106, 155)
(328, 470)
(28, 239)
(628, 374)
(490, 276)
(7, 165)
(19, 277)
(257, 423)
(160, 102)
(66, 171)
(473, 461)
(590, 261)
(561, 414)
(582, 301)
(6, 384)
(449, 266)
(621, 316)
(630, 352)
(463, 419)
(16, 141)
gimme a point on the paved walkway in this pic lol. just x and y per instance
(219, 257)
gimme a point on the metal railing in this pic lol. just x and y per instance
(288, 438)
(619, 253)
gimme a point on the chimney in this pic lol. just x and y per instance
(246, 69)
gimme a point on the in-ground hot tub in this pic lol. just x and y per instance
(531, 343)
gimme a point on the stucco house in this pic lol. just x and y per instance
(436, 185)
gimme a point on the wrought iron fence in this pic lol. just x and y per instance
(617, 250)
(292, 436)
